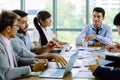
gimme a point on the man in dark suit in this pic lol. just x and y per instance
(11, 65)
(105, 72)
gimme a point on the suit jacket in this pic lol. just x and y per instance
(109, 73)
(21, 49)
(8, 73)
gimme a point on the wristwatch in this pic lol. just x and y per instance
(32, 67)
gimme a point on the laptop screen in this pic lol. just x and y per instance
(71, 62)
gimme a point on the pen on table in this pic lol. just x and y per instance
(69, 48)
(81, 49)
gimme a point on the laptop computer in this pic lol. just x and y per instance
(64, 49)
(59, 72)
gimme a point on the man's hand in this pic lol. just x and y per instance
(96, 44)
(59, 43)
(40, 65)
(50, 46)
(46, 49)
(58, 59)
(88, 38)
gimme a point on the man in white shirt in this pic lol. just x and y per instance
(97, 33)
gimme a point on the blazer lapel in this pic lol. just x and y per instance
(3, 43)
(14, 59)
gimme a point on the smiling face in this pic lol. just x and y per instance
(97, 19)
(23, 25)
(46, 22)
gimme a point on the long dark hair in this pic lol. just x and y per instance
(41, 15)
(41, 33)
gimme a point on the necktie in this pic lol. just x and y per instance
(97, 32)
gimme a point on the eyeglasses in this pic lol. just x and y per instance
(16, 25)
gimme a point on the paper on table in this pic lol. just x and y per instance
(84, 54)
(90, 49)
(83, 73)
(84, 62)
(104, 62)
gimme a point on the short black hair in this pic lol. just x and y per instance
(99, 9)
(20, 13)
(117, 20)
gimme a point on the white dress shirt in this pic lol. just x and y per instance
(104, 35)
(48, 33)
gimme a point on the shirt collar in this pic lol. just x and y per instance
(44, 29)
(95, 28)
(7, 41)
(21, 36)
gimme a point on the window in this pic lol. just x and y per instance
(71, 17)
(9, 5)
(112, 7)
(71, 13)
(34, 6)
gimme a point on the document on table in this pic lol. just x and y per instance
(90, 49)
(84, 54)
(84, 62)
(104, 62)
(83, 73)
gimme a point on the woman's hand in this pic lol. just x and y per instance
(110, 47)
(115, 47)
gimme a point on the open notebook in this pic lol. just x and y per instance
(60, 72)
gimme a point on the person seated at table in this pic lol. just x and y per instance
(98, 33)
(11, 65)
(115, 47)
(43, 33)
(111, 72)
(23, 46)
